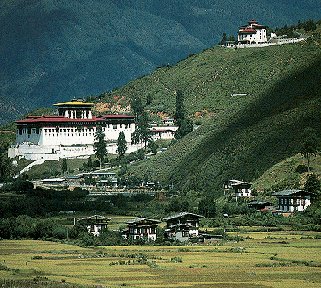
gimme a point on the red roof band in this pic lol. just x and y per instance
(61, 119)
(247, 31)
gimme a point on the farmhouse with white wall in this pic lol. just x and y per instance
(293, 200)
(94, 224)
(141, 228)
(182, 226)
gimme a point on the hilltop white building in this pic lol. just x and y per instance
(70, 134)
(253, 33)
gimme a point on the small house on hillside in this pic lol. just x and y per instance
(101, 178)
(163, 132)
(94, 224)
(182, 226)
(169, 121)
(54, 181)
(141, 228)
(239, 188)
(293, 200)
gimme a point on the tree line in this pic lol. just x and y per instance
(142, 133)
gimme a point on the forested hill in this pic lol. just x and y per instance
(55, 50)
(257, 102)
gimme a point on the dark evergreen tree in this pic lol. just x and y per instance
(6, 167)
(313, 185)
(142, 133)
(185, 127)
(224, 39)
(207, 208)
(64, 166)
(309, 144)
(309, 25)
(184, 124)
(149, 99)
(100, 145)
(121, 144)
(90, 164)
(231, 38)
(137, 107)
(153, 146)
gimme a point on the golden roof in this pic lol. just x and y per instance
(74, 103)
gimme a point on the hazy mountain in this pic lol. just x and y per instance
(54, 50)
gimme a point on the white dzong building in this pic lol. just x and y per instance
(253, 33)
(70, 134)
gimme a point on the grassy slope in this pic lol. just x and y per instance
(245, 135)
(285, 174)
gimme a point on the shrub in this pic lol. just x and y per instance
(177, 259)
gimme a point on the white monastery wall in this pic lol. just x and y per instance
(70, 135)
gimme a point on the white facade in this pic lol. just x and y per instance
(243, 192)
(182, 226)
(143, 233)
(293, 200)
(94, 224)
(163, 132)
(69, 135)
(253, 33)
(240, 188)
(142, 228)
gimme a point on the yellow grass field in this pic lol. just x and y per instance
(276, 259)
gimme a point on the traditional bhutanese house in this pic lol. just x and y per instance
(260, 205)
(94, 224)
(163, 132)
(240, 188)
(69, 134)
(253, 33)
(293, 200)
(182, 226)
(103, 178)
(54, 181)
(168, 121)
(142, 228)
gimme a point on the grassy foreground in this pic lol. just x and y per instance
(278, 259)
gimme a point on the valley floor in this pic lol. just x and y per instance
(275, 259)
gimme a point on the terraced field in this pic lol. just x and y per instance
(278, 259)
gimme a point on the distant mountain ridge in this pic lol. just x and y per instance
(56, 50)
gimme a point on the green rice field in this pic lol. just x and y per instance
(276, 259)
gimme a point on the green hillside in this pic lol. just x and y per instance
(242, 136)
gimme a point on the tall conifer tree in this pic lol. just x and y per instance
(100, 145)
(121, 144)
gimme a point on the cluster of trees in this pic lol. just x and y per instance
(6, 167)
(293, 30)
(225, 38)
(27, 200)
(27, 227)
(141, 134)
